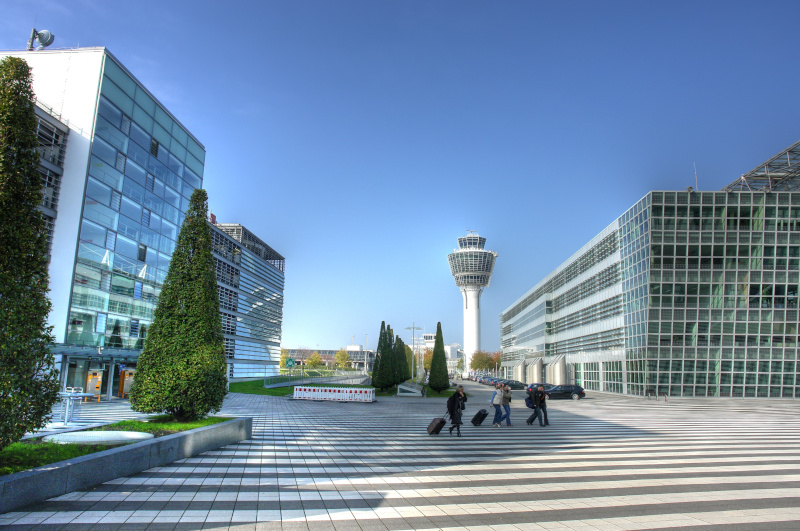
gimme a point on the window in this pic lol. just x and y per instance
(127, 247)
(104, 151)
(93, 233)
(100, 327)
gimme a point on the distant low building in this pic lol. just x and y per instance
(359, 358)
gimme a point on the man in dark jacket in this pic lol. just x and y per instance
(455, 405)
(543, 406)
(538, 398)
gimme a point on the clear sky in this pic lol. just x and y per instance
(361, 138)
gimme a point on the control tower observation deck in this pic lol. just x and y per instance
(471, 265)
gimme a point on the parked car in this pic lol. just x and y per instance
(574, 392)
(513, 384)
(536, 385)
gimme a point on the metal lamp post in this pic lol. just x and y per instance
(414, 363)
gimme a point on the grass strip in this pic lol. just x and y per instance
(161, 425)
(256, 387)
(31, 453)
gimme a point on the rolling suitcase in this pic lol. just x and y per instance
(436, 426)
(479, 417)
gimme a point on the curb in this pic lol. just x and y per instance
(56, 479)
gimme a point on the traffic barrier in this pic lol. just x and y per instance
(335, 394)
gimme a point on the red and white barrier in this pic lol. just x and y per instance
(335, 394)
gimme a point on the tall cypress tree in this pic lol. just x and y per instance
(182, 368)
(28, 379)
(379, 359)
(387, 366)
(439, 380)
(399, 358)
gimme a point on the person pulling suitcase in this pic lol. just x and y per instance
(455, 405)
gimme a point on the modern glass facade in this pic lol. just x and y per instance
(144, 166)
(687, 294)
(250, 280)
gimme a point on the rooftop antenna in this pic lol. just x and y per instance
(44, 38)
(695, 177)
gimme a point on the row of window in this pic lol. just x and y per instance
(694, 237)
(725, 212)
(780, 277)
(599, 252)
(729, 224)
(726, 250)
(724, 198)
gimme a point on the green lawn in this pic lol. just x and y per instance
(160, 425)
(31, 453)
(256, 387)
(447, 393)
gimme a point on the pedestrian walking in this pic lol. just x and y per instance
(543, 405)
(455, 405)
(537, 398)
(497, 402)
(507, 404)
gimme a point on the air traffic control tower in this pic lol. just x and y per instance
(471, 265)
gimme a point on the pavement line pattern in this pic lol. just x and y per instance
(611, 463)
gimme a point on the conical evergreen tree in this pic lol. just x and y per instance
(376, 367)
(439, 380)
(182, 368)
(28, 380)
(399, 358)
(387, 366)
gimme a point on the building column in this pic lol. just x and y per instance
(110, 389)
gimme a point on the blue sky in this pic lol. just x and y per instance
(361, 138)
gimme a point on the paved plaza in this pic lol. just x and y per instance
(604, 463)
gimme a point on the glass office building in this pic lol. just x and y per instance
(250, 280)
(122, 185)
(687, 294)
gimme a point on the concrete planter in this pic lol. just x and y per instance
(56, 479)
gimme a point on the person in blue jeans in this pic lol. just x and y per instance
(497, 401)
(538, 397)
(507, 404)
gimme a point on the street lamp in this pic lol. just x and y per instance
(414, 362)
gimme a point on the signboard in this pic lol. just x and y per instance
(290, 362)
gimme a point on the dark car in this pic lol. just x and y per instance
(514, 384)
(535, 386)
(574, 392)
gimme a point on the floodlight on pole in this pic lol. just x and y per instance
(44, 38)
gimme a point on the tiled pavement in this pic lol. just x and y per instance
(605, 463)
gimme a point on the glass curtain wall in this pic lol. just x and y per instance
(723, 294)
(144, 167)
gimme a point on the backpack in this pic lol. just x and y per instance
(529, 402)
